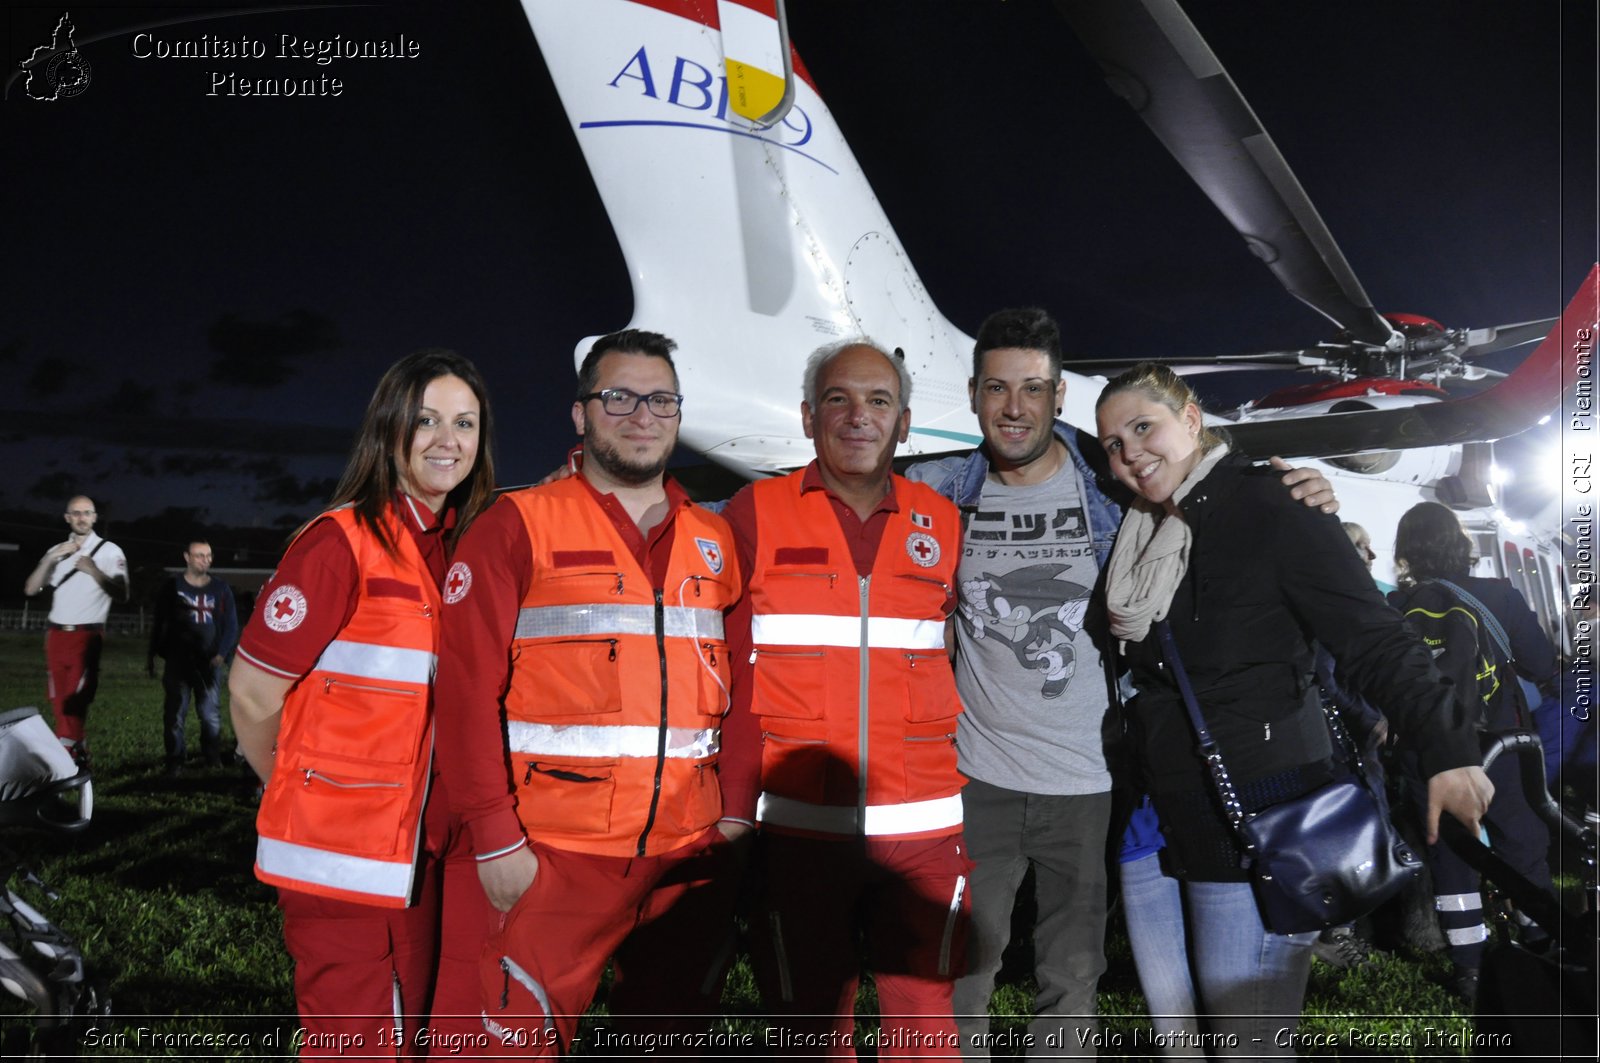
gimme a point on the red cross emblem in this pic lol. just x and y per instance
(711, 552)
(286, 609)
(456, 582)
(923, 548)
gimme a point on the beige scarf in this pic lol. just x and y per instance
(1150, 557)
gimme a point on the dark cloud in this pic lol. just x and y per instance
(56, 487)
(256, 354)
(10, 351)
(51, 376)
(131, 399)
(194, 463)
(290, 491)
(263, 467)
(139, 464)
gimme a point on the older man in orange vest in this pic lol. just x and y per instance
(589, 612)
(841, 742)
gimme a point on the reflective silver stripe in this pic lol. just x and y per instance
(533, 986)
(1457, 902)
(599, 740)
(566, 621)
(371, 661)
(814, 629)
(319, 867)
(946, 942)
(909, 818)
(1469, 936)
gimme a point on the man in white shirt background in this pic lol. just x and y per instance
(86, 573)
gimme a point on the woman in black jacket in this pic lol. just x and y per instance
(1447, 607)
(1248, 579)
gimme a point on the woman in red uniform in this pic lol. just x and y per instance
(332, 704)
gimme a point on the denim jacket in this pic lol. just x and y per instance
(960, 479)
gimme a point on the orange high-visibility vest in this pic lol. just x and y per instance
(342, 814)
(617, 692)
(852, 683)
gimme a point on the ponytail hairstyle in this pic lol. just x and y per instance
(1159, 384)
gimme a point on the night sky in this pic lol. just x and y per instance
(200, 291)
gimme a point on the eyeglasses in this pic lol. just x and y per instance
(620, 402)
(80, 512)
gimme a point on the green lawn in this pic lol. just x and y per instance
(159, 893)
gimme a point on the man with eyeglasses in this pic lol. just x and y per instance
(86, 573)
(589, 612)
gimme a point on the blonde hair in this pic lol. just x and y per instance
(1159, 384)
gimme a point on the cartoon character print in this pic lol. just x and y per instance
(1035, 612)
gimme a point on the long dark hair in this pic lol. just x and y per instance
(370, 478)
(1429, 544)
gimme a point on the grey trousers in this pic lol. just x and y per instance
(1064, 839)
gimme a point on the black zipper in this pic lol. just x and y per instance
(661, 730)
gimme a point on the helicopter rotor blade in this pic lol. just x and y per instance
(1512, 405)
(1157, 61)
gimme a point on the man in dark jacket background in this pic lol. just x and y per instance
(195, 630)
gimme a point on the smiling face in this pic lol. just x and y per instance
(1016, 402)
(1152, 448)
(630, 450)
(444, 445)
(857, 421)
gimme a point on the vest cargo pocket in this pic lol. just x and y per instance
(577, 676)
(715, 676)
(930, 763)
(930, 686)
(336, 810)
(569, 797)
(798, 767)
(385, 723)
(790, 684)
(697, 801)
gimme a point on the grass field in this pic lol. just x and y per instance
(159, 893)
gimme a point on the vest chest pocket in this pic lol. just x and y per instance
(566, 677)
(790, 683)
(364, 721)
(930, 686)
(714, 676)
(568, 797)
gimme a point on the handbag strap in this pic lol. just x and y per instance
(1208, 750)
(1491, 622)
(1231, 807)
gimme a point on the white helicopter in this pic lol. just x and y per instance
(748, 227)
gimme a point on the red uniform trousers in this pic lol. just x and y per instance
(666, 923)
(72, 675)
(821, 897)
(358, 966)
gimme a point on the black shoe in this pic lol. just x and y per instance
(1340, 946)
(174, 769)
(1464, 984)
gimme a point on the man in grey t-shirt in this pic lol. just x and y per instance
(1037, 529)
